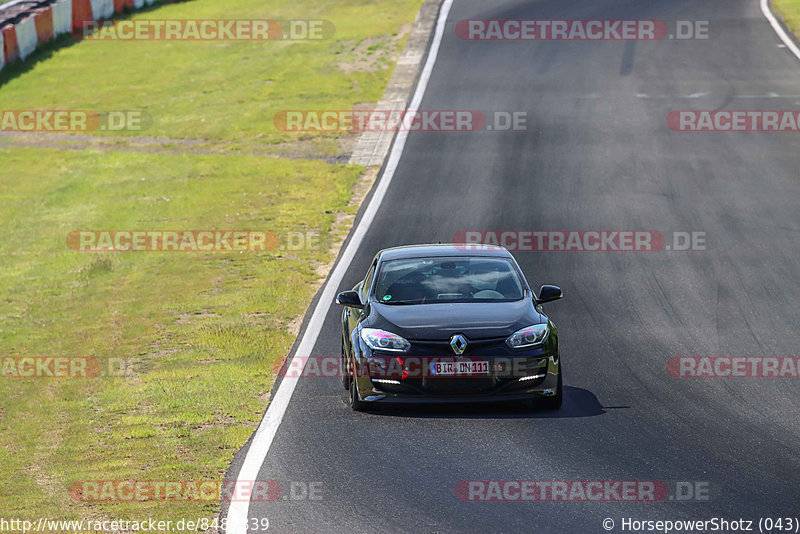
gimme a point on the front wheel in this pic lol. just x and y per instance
(554, 402)
(343, 370)
(356, 404)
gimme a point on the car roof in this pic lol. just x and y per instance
(439, 250)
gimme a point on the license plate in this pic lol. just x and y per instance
(465, 368)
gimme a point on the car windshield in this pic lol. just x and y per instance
(429, 280)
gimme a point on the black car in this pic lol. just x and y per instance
(448, 323)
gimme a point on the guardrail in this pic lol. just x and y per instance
(27, 24)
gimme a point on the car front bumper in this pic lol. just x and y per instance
(539, 382)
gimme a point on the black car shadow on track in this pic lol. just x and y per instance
(578, 402)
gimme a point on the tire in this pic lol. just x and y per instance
(356, 404)
(345, 375)
(555, 402)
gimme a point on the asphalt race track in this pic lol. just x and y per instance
(597, 155)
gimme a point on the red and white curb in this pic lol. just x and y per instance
(43, 24)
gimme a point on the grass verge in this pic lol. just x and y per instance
(202, 332)
(790, 11)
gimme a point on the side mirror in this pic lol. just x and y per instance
(548, 294)
(350, 299)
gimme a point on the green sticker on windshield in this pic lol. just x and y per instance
(387, 297)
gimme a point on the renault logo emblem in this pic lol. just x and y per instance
(458, 343)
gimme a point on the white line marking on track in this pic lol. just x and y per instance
(778, 29)
(238, 512)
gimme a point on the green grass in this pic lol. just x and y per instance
(790, 11)
(227, 90)
(204, 331)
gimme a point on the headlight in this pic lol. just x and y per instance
(383, 340)
(528, 336)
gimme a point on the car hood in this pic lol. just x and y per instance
(479, 320)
